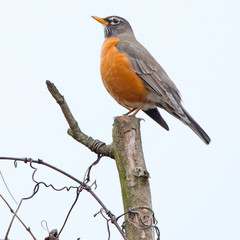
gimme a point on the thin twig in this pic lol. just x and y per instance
(77, 196)
(10, 225)
(12, 211)
(7, 188)
(113, 220)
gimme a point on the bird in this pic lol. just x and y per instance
(136, 80)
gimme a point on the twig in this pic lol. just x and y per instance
(77, 195)
(7, 188)
(12, 211)
(10, 225)
(113, 220)
(75, 131)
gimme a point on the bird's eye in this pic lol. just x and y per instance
(115, 21)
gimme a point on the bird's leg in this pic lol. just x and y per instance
(136, 110)
(130, 111)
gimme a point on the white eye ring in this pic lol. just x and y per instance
(114, 21)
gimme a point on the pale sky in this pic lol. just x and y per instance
(195, 188)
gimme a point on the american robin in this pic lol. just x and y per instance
(136, 80)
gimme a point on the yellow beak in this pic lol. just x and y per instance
(101, 20)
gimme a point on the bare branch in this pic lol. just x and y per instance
(77, 196)
(14, 215)
(12, 211)
(94, 145)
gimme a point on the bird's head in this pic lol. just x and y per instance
(115, 26)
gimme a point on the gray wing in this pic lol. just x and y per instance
(151, 73)
(157, 81)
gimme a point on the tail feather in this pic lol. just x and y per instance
(185, 117)
(196, 128)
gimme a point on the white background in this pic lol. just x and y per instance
(195, 188)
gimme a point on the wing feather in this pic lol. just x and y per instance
(151, 73)
(157, 81)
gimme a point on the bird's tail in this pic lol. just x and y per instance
(196, 128)
(156, 116)
(185, 117)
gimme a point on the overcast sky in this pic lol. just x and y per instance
(195, 188)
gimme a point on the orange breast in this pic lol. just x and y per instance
(119, 79)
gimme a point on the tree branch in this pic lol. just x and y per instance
(126, 149)
(94, 145)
